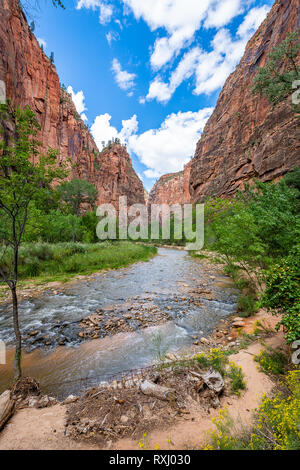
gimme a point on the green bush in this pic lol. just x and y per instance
(272, 361)
(247, 305)
(282, 293)
(236, 375)
(276, 423)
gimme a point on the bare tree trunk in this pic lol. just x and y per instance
(17, 359)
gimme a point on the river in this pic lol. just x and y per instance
(171, 280)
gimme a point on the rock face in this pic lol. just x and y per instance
(172, 188)
(246, 137)
(114, 176)
(32, 80)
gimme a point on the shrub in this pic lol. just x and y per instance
(216, 358)
(272, 361)
(276, 423)
(282, 293)
(247, 305)
(236, 375)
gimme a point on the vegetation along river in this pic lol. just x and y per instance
(142, 311)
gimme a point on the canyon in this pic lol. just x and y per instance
(246, 137)
(31, 78)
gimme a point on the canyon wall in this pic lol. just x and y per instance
(172, 188)
(246, 137)
(31, 79)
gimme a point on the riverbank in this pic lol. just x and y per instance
(51, 267)
(185, 427)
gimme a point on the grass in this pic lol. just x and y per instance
(43, 262)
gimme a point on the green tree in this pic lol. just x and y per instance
(23, 175)
(275, 80)
(77, 192)
(293, 178)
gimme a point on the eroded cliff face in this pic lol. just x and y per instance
(32, 80)
(172, 188)
(115, 176)
(246, 137)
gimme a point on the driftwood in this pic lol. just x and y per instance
(157, 391)
(212, 379)
(7, 407)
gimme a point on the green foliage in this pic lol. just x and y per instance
(282, 293)
(275, 79)
(236, 375)
(24, 175)
(272, 361)
(276, 423)
(76, 192)
(293, 178)
(256, 233)
(247, 305)
(259, 224)
(47, 260)
(217, 359)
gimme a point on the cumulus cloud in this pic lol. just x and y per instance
(162, 150)
(172, 145)
(78, 99)
(105, 9)
(181, 19)
(102, 130)
(210, 69)
(124, 79)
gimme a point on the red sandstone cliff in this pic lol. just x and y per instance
(114, 176)
(247, 137)
(172, 188)
(32, 80)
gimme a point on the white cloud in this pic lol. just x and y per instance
(78, 99)
(106, 12)
(161, 150)
(124, 79)
(42, 42)
(210, 68)
(169, 147)
(129, 127)
(88, 4)
(102, 131)
(181, 19)
(112, 36)
(105, 9)
(253, 20)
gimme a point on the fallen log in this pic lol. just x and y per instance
(7, 407)
(157, 391)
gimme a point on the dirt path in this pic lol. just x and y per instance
(44, 428)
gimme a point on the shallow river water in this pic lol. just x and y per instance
(171, 280)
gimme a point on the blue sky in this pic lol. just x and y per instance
(148, 71)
